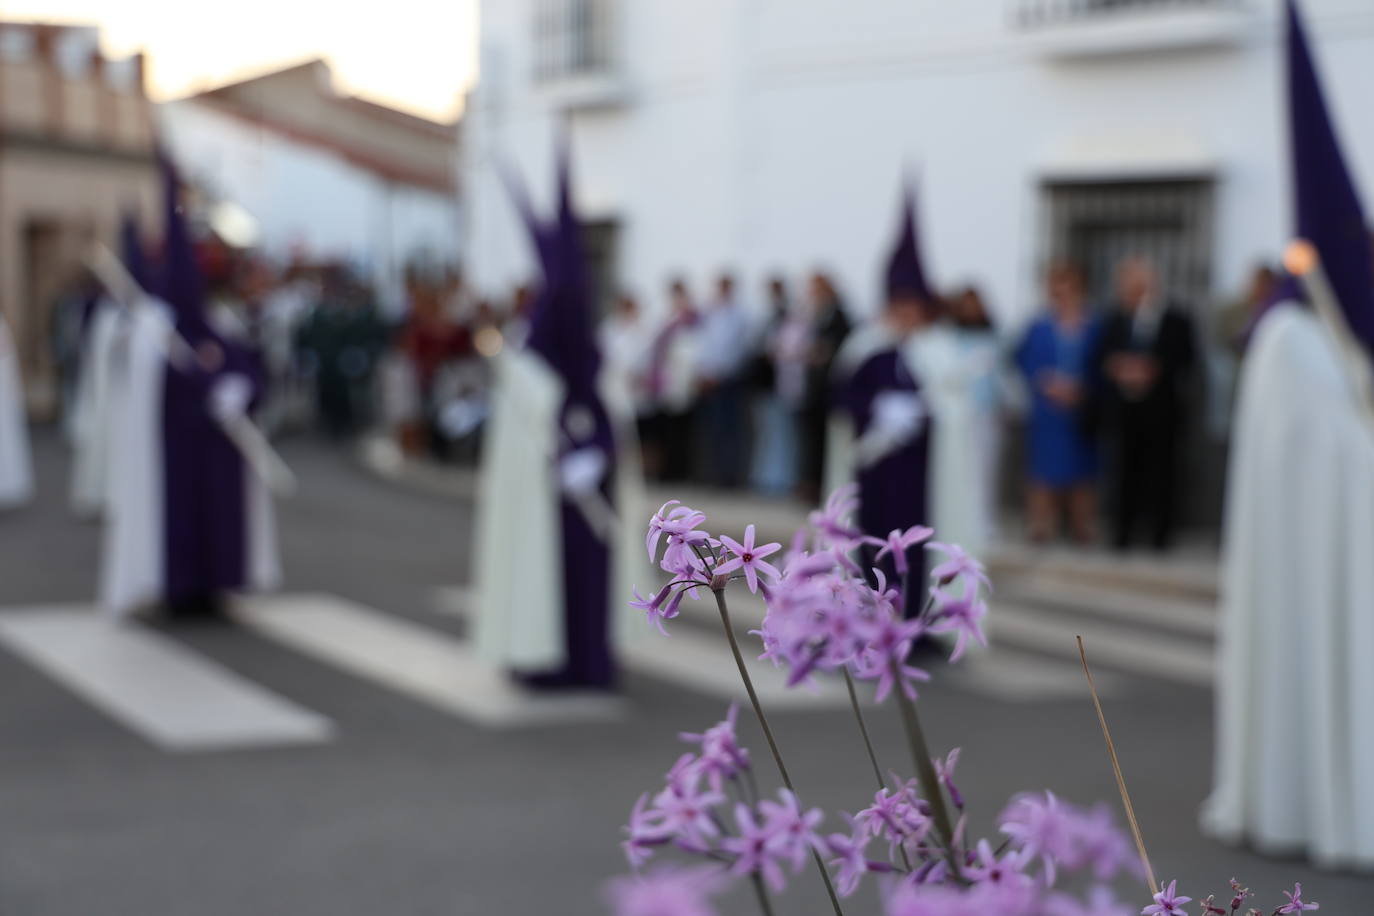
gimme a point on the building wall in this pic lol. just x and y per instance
(304, 196)
(773, 134)
(75, 150)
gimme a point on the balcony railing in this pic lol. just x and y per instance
(1038, 13)
(576, 53)
(1066, 29)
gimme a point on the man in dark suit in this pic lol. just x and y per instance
(1145, 358)
(830, 326)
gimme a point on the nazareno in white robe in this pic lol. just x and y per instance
(133, 555)
(518, 568)
(95, 394)
(16, 468)
(1295, 684)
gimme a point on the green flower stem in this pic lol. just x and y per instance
(925, 767)
(761, 892)
(863, 728)
(768, 732)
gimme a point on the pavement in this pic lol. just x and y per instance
(340, 750)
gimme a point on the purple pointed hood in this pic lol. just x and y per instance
(182, 285)
(1326, 203)
(132, 253)
(905, 274)
(562, 324)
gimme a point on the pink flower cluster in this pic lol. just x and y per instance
(758, 837)
(822, 613)
(1040, 830)
(693, 813)
(1048, 845)
(826, 614)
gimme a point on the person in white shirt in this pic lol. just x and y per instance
(778, 377)
(670, 389)
(624, 341)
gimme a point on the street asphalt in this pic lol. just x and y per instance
(411, 811)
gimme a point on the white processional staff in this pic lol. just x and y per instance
(256, 450)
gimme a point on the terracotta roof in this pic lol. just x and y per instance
(400, 118)
(434, 179)
(226, 99)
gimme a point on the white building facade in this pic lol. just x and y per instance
(772, 136)
(323, 176)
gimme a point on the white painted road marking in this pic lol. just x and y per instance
(418, 661)
(169, 694)
(697, 657)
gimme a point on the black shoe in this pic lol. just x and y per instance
(208, 608)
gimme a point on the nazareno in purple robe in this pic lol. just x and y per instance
(892, 490)
(562, 333)
(206, 528)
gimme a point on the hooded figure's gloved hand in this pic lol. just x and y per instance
(582, 471)
(229, 397)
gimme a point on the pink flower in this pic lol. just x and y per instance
(977, 900)
(1101, 845)
(667, 892)
(884, 658)
(686, 811)
(1238, 895)
(895, 817)
(832, 524)
(663, 605)
(944, 771)
(852, 864)
(645, 833)
(957, 565)
(721, 756)
(1039, 826)
(1295, 902)
(1167, 903)
(962, 616)
(749, 558)
(754, 849)
(987, 867)
(794, 830)
(674, 521)
(898, 542)
(1101, 902)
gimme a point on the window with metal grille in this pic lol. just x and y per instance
(1098, 224)
(572, 38)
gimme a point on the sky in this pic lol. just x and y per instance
(417, 55)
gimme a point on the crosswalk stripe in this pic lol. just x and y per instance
(697, 657)
(170, 695)
(1005, 674)
(414, 660)
(1178, 659)
(702, 662)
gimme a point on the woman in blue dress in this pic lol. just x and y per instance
(1055, 357)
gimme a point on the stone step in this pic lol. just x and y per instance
(1110, 644)
(1188, 576)
(1187, 615)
